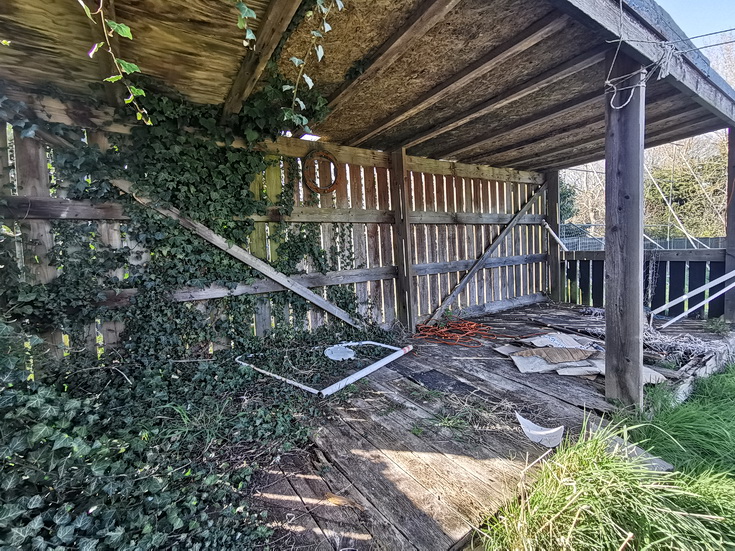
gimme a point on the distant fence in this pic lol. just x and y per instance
(667, 275)
(583, 238)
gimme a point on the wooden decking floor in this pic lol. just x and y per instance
(426, 448)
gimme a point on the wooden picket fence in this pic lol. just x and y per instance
(453, 213)
(668, 274)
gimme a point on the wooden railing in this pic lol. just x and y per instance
(668, 274)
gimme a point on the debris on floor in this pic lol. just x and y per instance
(550, 438)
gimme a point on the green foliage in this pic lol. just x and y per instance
(691, 200)
(567, 207)
(586, 498)
(697, 435)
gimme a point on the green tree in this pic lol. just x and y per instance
(567, 206)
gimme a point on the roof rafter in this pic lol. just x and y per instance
(555, 74)
(664, 117)
(647, 45)
(549, 114)
(276, 21)
(426, 16)
(671, 134)
(533, 34)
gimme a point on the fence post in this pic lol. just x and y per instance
(32, 176)
(730, 232)
(401, 187)
(556, 278)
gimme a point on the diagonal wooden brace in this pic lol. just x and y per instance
(477, 266)
(243, 256)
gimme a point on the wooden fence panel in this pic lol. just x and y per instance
(716, 308)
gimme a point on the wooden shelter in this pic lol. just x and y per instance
(426, 97)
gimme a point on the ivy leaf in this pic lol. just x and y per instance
(317, 34)
(87, 544)
(327, 27)
(5, 42)
(120, 28)
(65, 533)
(136, 91)
(319, 52)
(35, 502)
(300, 103)
(127, 67)
(39, 432)
(296, 61)
(245, 12)
(340, 5)
(95, 48)
(309, 82)
(86, 10)
(8, 513)
(10, 481)
(249, 35)
(113, 78)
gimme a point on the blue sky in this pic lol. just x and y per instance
(697, 17)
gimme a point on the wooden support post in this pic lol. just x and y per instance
(556, 278)
(625, 123)
(31, 169)
(406, 292)
(730, 233)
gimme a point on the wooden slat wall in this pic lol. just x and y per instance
(456, 212)
(668, 275)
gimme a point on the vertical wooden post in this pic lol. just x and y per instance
(259, 248)
(625, 125)
(730, 233)
(553, 218)
(406, 294)
(31, 169)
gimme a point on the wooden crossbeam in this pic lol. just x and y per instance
(55, 208)
(276, 21)
(534, 34)
(531, 86)
(549, 151)
(426, 16)
(526, 123)
(243, 256)
(478, 265)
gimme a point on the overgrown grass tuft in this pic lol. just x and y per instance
(698, 435)
(586, 498)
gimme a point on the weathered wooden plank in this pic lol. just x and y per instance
(277, 18)
(54, 208)
(625, 125)
(515, 93)
(494, 288)
(359, 244)
(401, 201)
(431, 240)
(427, 15)
(292, 147)
(451, 187)
(716, 307)
(585, 274)
(258, 245)
(441, 206)
(387, 248)
(426, 217)
(692, 255)
(242, 255)
(488, 252)
(464, 170)
(598, 283)
(729, 306)
(677, 285)
(373, 244)
(525, 39)
(425, 520)
(419, 248)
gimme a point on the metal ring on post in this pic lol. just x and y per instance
(310, 172)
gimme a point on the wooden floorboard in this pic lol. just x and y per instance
(429, 445)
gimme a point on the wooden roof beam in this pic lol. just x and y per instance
(556, 74)
(646, 45)
(534, 34)
(276, 21)
(524, 124)
(672, 134)
(530, 157)
(427, 16)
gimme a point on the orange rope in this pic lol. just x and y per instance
(463, 333)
